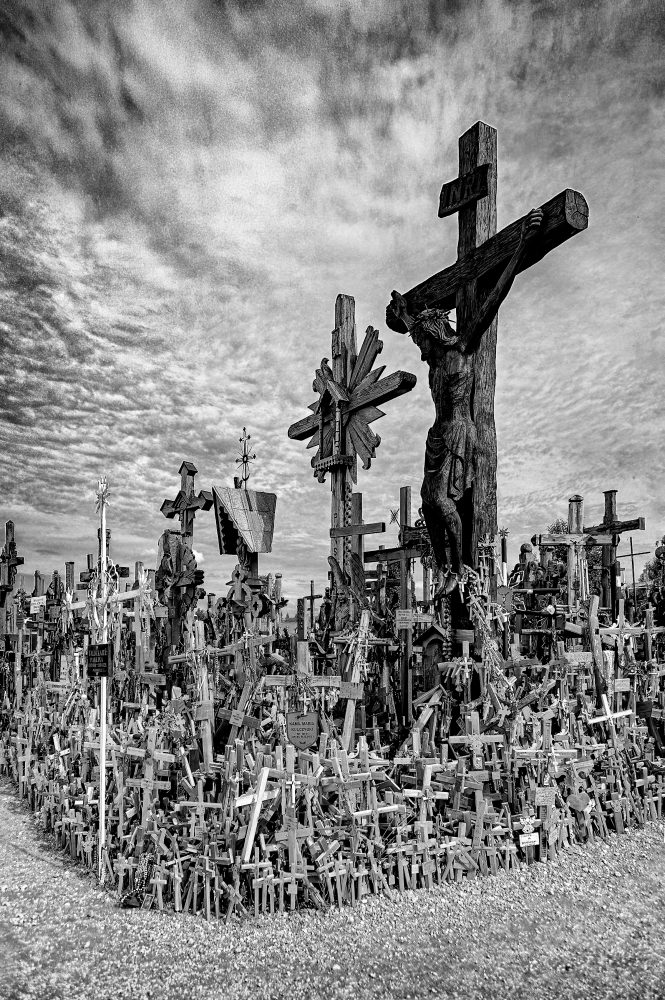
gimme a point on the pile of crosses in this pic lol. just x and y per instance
(244, 776)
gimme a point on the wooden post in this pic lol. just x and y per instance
(312, 598)
(139, 661)
(477, 223)
(426, 587)
(18, 668)
(102, 694)
(357, 541)
(406, 635)
(343, 359)
(610, 516)
(575, 557)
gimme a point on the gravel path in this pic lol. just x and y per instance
(590, 925)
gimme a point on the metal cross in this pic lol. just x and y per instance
(245, 457)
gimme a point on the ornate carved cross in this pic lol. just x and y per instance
(186, 503)
(350, 393)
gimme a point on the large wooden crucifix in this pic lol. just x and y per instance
(459, 487)
(350, 393)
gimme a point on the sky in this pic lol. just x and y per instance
(185, 189)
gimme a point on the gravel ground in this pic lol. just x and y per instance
(590, 925)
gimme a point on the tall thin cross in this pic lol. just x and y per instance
(9, 560)
(245, 458)
(349, 395)
(475, 285)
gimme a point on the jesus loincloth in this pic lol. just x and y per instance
(450, 460)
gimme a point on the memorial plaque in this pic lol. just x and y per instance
(159, 680)
(302, 729)
(237, 717)
(529, 839)
(622, 684)
(407, 618)
(100, 658)
(205, 711)
(347, 689)
(545, 796)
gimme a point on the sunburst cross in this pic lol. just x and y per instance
(349, 394)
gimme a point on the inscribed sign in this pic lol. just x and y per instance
(545, 796)
(100, 657)
(302, 729)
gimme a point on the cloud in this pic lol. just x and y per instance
(185, 189)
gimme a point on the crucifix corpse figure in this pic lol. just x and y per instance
(452, 445)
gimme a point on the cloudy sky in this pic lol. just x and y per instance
(186, 187)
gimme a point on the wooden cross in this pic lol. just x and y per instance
(355, 533)
(483, 255)
(621, 633)
(158, 881)
(349, 396)
(474, 741)
(405, 553)
(186, 503)
(611, 525)
(609, 717)
(311, 597)
(576, 539)
(9, 560)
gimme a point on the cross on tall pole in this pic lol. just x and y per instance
(350, 393)
(9, 560)
(462, 443)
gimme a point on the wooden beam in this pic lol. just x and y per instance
(374, 528)
(564, 215)
(381, 392)
(618, 527)
(391, 555)
(569, 539)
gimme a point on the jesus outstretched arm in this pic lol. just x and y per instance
(490, 307)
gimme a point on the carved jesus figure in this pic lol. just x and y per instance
(451, 449)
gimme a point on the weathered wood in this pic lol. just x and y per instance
(390, 555)
(565, 215)
(383, 391)
(459, 193)
(477, 226)
(406, 635)
(566, 538)
(374, 528)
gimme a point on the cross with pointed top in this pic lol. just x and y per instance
(186, 503)
(245, 458)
